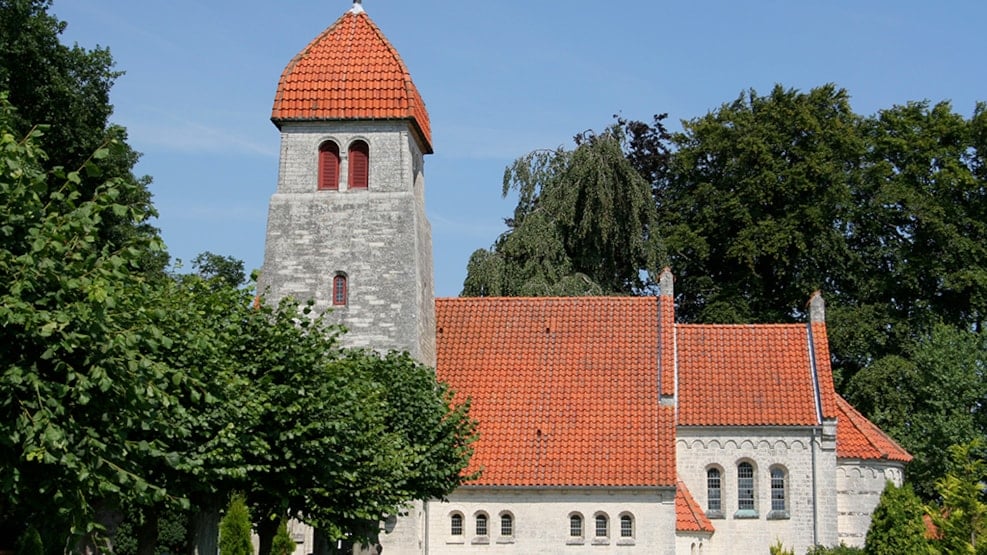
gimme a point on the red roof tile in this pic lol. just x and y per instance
(565, 390)
(859, 438)
(350, 71)
(689, 516)
(745, 375)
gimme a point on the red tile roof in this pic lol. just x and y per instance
(565, 390)
(745, 375)
(689, 516)
(859, 438)
(350, 71)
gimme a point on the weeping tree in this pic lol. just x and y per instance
(584, 224)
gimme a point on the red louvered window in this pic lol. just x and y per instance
(339, 290)
(359, 161)
(328, 166)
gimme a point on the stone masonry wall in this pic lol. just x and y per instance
(808, 501)
(859, 485)
(541, 521)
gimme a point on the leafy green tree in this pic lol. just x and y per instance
(929, 398)
(76, 376)
(234, 529)
(961, 516)
(754, 205)
(897, 524)
(584, 224)
(67, 89)
(227, 269)
(30, 542)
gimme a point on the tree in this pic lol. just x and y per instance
(584, 224)
(234, 529)
(753, 208)
(961, 516)
(227, 269)
(929, 398)
(73, 345)
(67, 89)
(897, 524)
(283, 543)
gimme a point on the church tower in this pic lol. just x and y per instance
(347, 226)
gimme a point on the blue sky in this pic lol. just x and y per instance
(500, 78)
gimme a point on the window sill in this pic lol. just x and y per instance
(575, 541)
(746, 514)
(778, 515)
(480, 540)
(505, 539)
(456, 541)
(715, 515)
(625, 541)
(601, 541)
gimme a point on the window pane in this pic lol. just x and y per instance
(576, 526)
(626, 527)
(506, 525)
(457, 525)
(745, 486)
(777, 489)
(713, 493)
(481, 525)
(601, 526)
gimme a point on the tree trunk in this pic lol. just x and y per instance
(204, 530)
(321, 543)
(266, 529)
(147, 532)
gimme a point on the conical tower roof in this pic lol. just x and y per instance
(350, 72)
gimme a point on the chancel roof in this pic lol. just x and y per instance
(753, 375)
(565, 390)
(350, 71)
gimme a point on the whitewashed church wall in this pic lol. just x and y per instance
(541, 520)
(859, 485)
(810, 486)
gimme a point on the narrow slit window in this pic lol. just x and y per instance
(714, 493)
(481, 525)
(359, 165)
(777, 489)
(339, 290)
(456, 525)
(745, 486)
(626, 526)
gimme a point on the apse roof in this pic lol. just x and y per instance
(350, 72)
(859, 438)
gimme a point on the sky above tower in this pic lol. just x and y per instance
(499, 78)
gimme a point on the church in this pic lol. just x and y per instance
(605, 426)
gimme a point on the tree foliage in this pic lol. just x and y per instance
(584, 225)
(897, 524)
(66, 88)
(961, 514)
(234, 529)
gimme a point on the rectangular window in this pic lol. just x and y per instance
(713, 490)
(745, 487)
(777, 489)
(481, 525)
(601, 526)
(576, 526)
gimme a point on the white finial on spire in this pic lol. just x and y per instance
(357, 6)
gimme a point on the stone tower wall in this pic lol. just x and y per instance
(379, 238)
